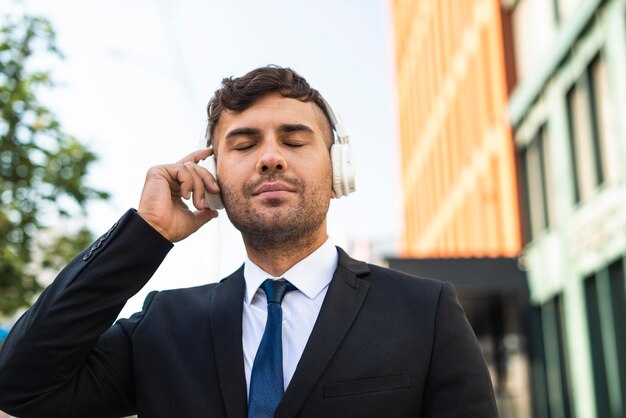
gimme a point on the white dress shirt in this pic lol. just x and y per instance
(311, 277)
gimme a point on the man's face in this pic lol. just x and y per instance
(274, 169)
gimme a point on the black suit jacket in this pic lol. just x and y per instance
(385, 344)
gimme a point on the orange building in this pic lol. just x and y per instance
(461, 206)
(458, 164)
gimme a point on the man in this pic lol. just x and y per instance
(357, 340)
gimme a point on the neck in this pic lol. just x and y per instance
(278, 258)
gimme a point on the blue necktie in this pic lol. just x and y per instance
(266, 381)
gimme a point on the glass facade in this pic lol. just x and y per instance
(572, 146)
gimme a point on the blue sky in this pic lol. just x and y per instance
(138, 74)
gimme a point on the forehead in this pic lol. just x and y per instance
(271, 111)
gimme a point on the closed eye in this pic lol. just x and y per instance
(244, 146)
(294, 144)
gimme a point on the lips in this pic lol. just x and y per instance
(273, 188)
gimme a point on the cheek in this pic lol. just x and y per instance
(228, 170)
(321, 174)
(224, 177)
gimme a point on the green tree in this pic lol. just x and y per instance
(42, 168)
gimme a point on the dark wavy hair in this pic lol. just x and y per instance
(238, 94)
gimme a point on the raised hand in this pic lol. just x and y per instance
(166, 186)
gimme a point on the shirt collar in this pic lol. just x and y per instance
(310, 275)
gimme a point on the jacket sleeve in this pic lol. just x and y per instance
(63, 357)
(458, 383)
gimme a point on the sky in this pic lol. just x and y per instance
(137, 76)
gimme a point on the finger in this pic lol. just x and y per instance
(198, 185)
(156, 176)
(197, 155)
(181, 180)
(210, 182)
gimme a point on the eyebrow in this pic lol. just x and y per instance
(242, 132)
(284, 128)
(297, 127)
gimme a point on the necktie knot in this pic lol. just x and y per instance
(275, 290)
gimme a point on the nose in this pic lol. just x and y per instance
(271, 159)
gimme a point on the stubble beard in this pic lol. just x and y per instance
(278, 226)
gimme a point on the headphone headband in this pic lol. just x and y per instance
(337, 124)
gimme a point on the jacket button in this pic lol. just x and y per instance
(88, 255)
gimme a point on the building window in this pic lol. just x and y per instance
(605, 123)
(606, 311)
(539, 386)
(591, 131)
(618, 302)
(536, 160)
(556, 363)
(597, 347)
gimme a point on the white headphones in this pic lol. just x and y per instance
(341, 156)
(342, 161)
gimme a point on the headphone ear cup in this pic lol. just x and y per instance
(212, 201)
(343, 169)
(335, 159)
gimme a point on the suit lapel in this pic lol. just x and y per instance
(342, 303)
(226, 314)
